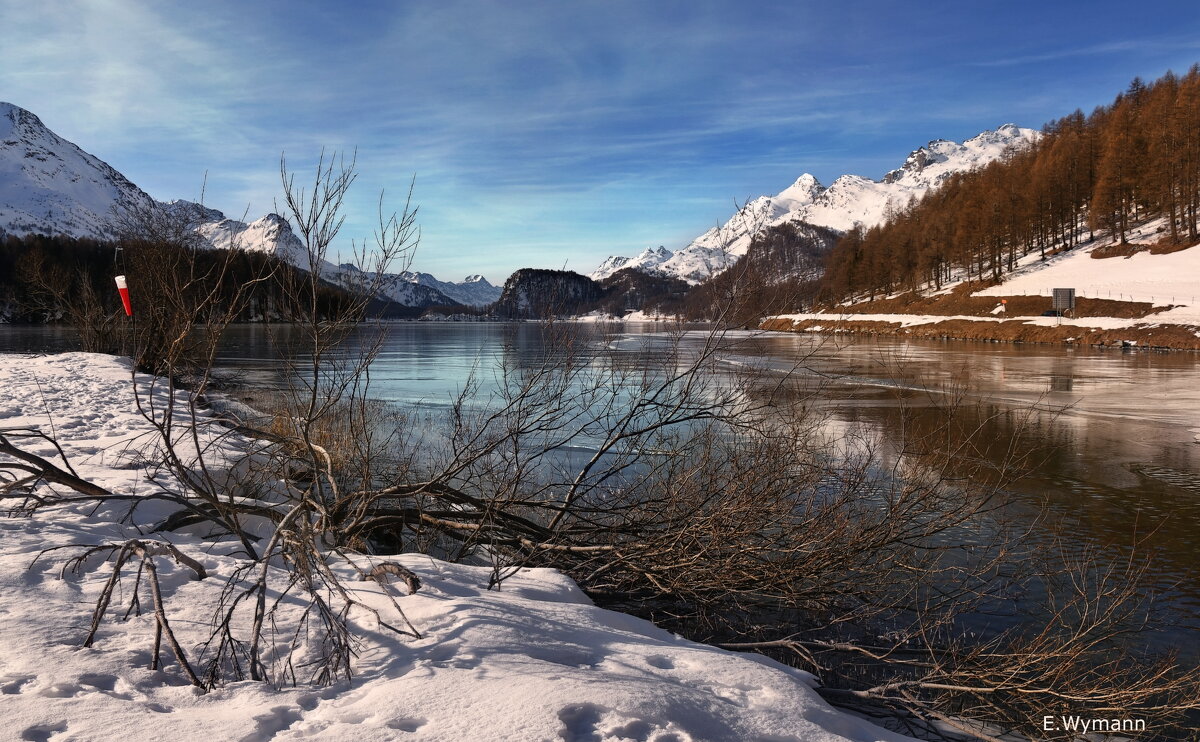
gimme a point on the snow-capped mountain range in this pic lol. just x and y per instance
(849, 200)
(49, 185)
(271, 234)
(414, 289)
(474, 291)
(648, 261)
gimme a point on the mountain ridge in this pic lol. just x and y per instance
(850, 200)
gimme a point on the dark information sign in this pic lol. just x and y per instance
(1064, 299)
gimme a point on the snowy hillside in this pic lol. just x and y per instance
(1165, 283)
(1170, 281)
(50, 186)
(532, 661)
(720, 247)
(853, 199)
(850, 200)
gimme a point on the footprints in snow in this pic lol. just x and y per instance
(580, 721)
(271, 723)
(112, 686)
(281, 719)
(407, 725)
(100, 682)
(10, 685)
(590, 722)
(661, 662)
(44, 732)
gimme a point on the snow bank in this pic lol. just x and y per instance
(1173, 278)
(635, 316)
(535, 661)
(1166, 279)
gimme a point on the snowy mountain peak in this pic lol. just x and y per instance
(15, 121)
(805, 190)
(472, 291)
(50, 186)
(651, 253)
(611, 265)
(647, 261)
(193, 211)
(270, 234)
(1003, 134)
(851, 200)
(806, 187)
(807, 180)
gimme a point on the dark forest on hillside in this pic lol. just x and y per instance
(1136, 159)
(54, 278)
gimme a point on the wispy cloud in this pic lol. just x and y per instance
(541, 128)
(1084, 51)
(1091, 50)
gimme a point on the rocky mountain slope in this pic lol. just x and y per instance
(849, 200)
(50, 186)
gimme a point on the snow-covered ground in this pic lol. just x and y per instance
(635, 316)
(533, 661)
(1170, 279)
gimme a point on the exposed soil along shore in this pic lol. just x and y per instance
(1157, 336)
(959, 301)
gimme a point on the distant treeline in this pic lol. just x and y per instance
(1136, 159)
(47, 279)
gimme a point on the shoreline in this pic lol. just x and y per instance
(1017, 330)
(527, 661)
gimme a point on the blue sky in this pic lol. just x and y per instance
(556, 133)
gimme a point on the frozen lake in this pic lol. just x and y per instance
(1112, 441)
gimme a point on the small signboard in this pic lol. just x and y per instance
(1064, 300)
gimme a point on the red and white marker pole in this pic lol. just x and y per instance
(124, 289)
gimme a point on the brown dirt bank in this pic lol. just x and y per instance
(1175, 337)
(959, 301)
